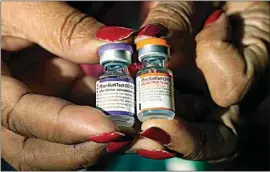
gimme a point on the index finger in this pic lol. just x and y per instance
(60, 29)
(49, 118)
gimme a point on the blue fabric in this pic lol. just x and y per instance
(132, 162)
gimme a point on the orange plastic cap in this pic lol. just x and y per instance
(152, 41)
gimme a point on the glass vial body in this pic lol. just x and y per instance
(115, 91)
(154, 86)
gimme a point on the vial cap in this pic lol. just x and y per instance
(152, 41)
(115, 52)
(153, 47)
(115, 46)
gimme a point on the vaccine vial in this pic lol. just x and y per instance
(154, 82)
(115, 89)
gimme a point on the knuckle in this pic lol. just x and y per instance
(55, 107)
(75, 26)
(11, 101)
(196, 152)
(208, 143)
(261, 24)
(83, 160)
(57, 135)
(86, 154)
(24, 159)
(174, 15)
(12, 121)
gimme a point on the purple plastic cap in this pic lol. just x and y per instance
(115, 46)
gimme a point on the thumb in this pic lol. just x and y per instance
(229, 70)
(59, 28)
(214, 53)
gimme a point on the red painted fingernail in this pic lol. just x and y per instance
(113, 33)
(151, 30)
(154, 154)
(158, 135)
(106, 137)
(116, 146)
(134, 68)
(213, 17)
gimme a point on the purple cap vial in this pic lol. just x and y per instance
(115, 46)
(115, 52)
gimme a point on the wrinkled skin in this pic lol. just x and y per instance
(230, 54)
(41, 129)
(50, 132)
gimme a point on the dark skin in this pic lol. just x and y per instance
(39, 125)
(237, 63)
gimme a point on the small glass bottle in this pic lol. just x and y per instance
(154, 82)
(115, 89)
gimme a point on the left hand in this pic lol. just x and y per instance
(44, 125)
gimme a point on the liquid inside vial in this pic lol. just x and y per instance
(154, 82)
(115, 94)
(115, 89)
(155, 93)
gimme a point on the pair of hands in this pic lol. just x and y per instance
(44, 128)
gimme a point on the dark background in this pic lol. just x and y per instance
(254, 137)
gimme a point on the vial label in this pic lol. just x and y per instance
(155, 91)
(115, 96)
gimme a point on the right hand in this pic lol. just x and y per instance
(41, 129)
(229, 69)
(226, 64)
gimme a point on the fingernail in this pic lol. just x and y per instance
(152, 30)
(106, 137)
(158, 135)
(154, 154)
(113, 33)
(213, 17)
(116, 146)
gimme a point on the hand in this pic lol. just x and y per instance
(198, 132)
(228, 68)
(179, 22)
(41, 129)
